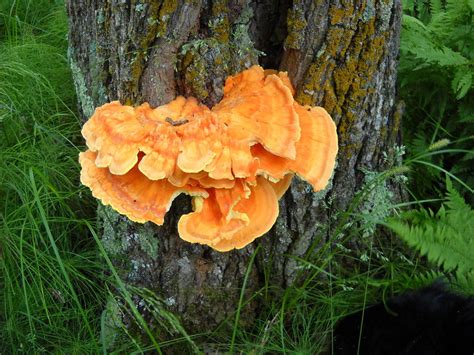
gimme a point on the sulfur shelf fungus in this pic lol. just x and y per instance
(259, 108)
(315, 151)
(132, 194)
(233, 220)
(235, 160)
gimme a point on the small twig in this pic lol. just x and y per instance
(177, 122)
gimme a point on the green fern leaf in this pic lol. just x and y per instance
(462, 82)
(409, 6)
(419, 41)
(456, 5)
(466, 281)
(422, 279)
(435, 7)
(445, 238)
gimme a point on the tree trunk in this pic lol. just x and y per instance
(340, 54)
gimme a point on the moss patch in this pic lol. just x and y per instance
(205, 63)
(219, 24)
(346, 85)
(296, 23)
(119, 234)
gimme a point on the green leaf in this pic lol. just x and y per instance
(421, 42)
(436, 7)
(462, 82)
(445, 238)
(470, 3)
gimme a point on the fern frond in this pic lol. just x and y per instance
(436, 80)
(462, 82)
(456, 5)
(453, 22)
(436, 7)
(470, 3)
(409, 7)
(446, 238)
(420, 41)
(424, 278)
(466, 281)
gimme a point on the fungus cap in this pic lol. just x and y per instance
(259, 108)
(315, 152)
(132, 194)
(115, 133)
(209, 225)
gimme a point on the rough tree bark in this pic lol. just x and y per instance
(340, 54)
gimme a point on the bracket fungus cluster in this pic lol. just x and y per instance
(235, 160)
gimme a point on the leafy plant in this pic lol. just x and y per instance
(444, 237)
(440, 39)
(436, 75)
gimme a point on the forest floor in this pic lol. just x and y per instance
(55, 277)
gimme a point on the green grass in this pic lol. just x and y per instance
(60, 292)
(50, 297)
(54, 284)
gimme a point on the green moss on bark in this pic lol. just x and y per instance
(157, 23)
(296, 23)
(345, 86)
(205, 63)
(219, 24)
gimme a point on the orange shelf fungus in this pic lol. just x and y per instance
(132, 194)
(224, 225)
(236, 160)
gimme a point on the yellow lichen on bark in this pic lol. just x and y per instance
(345, 85)
(220, 23)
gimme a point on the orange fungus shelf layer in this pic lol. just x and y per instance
(235, 160)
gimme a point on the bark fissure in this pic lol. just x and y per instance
(268, 30)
